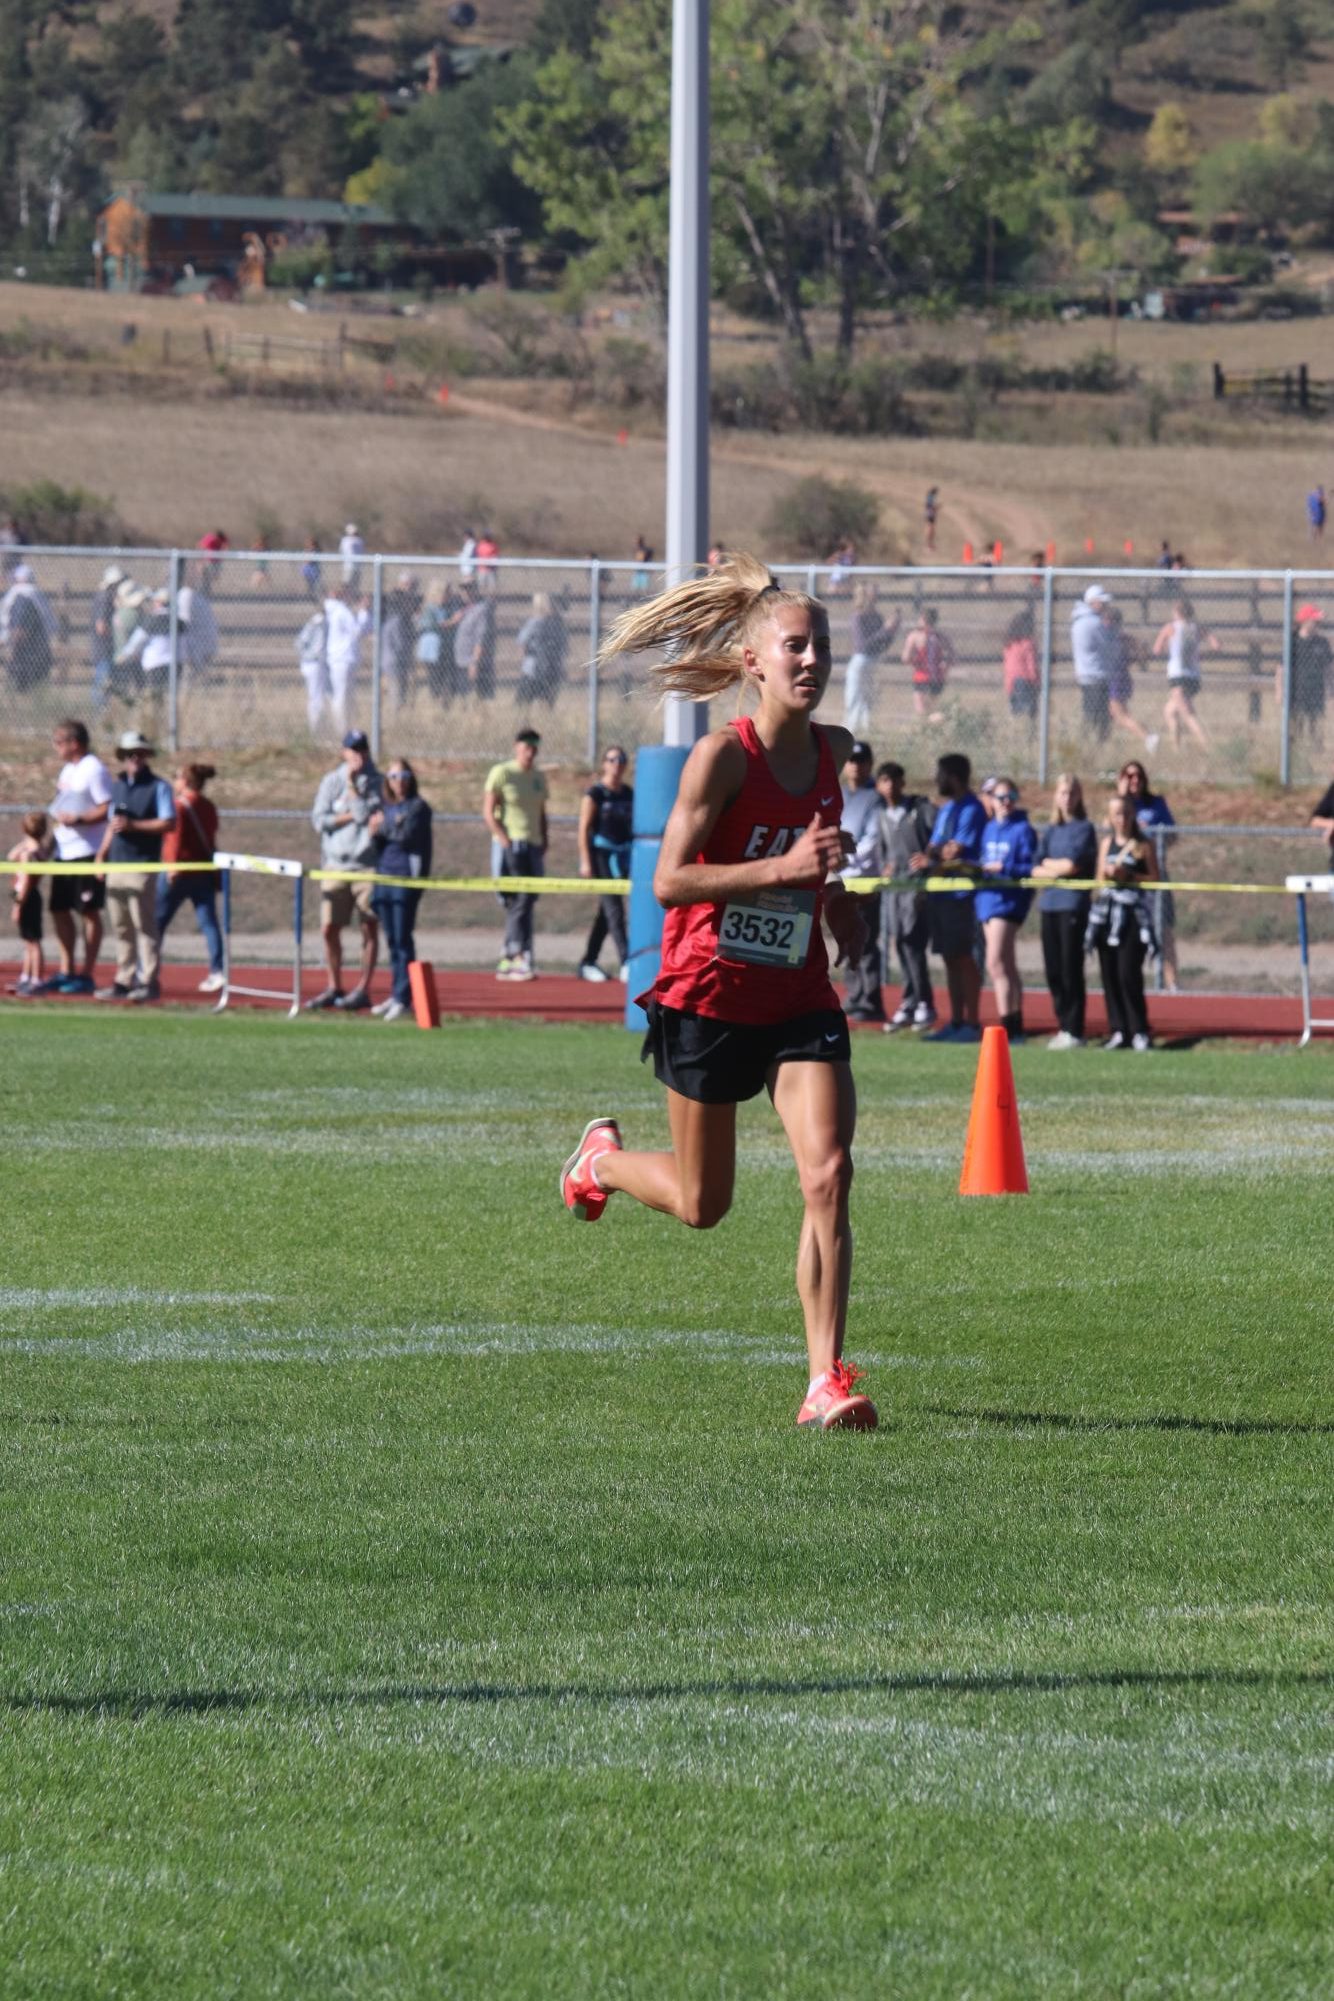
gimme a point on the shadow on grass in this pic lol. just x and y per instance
(138, 1705)
(1217, 1427)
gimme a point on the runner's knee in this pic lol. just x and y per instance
(826, 1181)
(704, 1208)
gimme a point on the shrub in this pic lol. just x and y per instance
(826, 393)
(629, 374)
(815, 514)
(47, 512)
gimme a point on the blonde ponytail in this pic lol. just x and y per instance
(701, 625)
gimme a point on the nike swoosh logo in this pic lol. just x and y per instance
(826, 802)
(833, 1037)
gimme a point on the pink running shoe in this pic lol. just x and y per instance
(835, 1404)
(578, 1190)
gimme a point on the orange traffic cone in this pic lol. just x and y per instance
(425, 1001)
(993, 1156)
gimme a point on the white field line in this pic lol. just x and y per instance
(60, 1299)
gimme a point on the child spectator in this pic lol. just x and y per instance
(36, 845)
(193, 838)
(1009, 847)
(1019, 662)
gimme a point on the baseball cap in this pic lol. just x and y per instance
(1095, 594)
(356, 740)
(531, 736)
(132, 740)
(860, 752)
(1307, 613)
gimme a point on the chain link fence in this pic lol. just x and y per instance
(1215, 676)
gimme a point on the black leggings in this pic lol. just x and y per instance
(1123, 983)
(610, 917)
(1063, 958)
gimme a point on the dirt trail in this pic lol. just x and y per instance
(977, 515)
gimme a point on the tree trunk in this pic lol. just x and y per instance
(780, 287)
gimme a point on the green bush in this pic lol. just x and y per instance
(826, 393)
(815, 514)
(63, 515)
(629, 374)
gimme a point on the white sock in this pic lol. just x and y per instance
(595, 1177)
(816, 1381)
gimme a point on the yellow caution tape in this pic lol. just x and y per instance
(91, 867)
(501, 885)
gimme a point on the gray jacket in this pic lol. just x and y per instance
(1090, 645)
(350, 846)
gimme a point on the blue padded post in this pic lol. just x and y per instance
(657, 775)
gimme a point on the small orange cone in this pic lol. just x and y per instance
(968, 552)
(425, 1003)
(993, 1156)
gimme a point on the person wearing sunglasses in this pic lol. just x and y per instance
(1009, 848)
(401, 829)
(606, 818)
(142, 809)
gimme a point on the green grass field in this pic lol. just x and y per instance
(410, 1593)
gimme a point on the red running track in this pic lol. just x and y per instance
(563, 997)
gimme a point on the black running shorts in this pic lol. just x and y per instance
(724, 1062)
(84, 893)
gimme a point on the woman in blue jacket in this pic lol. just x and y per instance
(402, 830)
(1009, 847)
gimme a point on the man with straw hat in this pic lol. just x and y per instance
(142, 809)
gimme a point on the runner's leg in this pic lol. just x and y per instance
(694, 1181)
(817, 1103)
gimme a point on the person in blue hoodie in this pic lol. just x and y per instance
(401, 829)
(1009, 849)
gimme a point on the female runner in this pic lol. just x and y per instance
(743, 1002)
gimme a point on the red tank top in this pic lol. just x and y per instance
(775, 967)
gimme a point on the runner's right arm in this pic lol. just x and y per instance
(713, 776)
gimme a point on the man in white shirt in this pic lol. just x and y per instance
(351, 548)
(346, 623)
(78, 813)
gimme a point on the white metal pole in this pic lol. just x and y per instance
(688, 326)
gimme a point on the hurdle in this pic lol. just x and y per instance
(259, 865)
(1301, 887)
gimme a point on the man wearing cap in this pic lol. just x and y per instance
(1311, 659)
(861, 819)
(514, 806)
(1091, 645)
(341, 816)
(142, 809)
(78, 815)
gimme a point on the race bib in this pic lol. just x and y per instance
(770, 928)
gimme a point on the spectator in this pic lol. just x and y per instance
(861, 821)
(214, 544)
(1123, 652)
(198, 630)
(347, 620)
(843, 560)
(870, 638)
(11, 540)
(78, 817)
(101, 633)
(149, 648)
(1322, 819)
(398, 635)
(1311, 660)
(514, 806)
(641, 580)
(475, 645)
(351, 549)
(955, 848)
(1090, 648)
(1009, 848)
(193, 838)
(1181, 639)
(430, 642)
(542, 645)
(1068, 849)
(27, 627)
(468, 557)
(1154, 814)
(35, 845)
(488, 549)
(1315, 513)
(1120, 924)
(1019, 664)
(402, 832)
(130, 598)
(930, 655)
(986, 792)
(347, 798)
(606, 823)
(1165, 559)
(312, 653)
(311, 570)
(906, 820)
(930, 515)
(141, 811)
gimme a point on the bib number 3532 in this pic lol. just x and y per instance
(770, 928)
